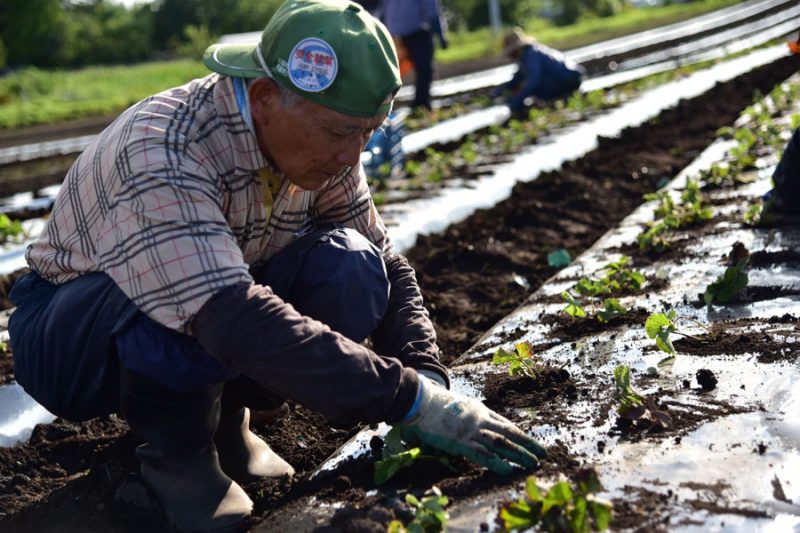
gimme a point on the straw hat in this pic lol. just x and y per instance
(516, 39)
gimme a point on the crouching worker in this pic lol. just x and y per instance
(786, 179)
(542, 73)
(216, 249)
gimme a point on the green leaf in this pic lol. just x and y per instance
(601, 513)
(578, 520)
(524, 349)
(393, 443)
(387, 468)
(574, 307)
(664, 343)
(519, 515)
(611, 310)
(732, 281)
(654, 323)
(503, 356)
(659, 326)
(532, 489)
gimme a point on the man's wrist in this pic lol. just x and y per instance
(414, 410)
(435, 377)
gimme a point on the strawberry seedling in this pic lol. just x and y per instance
(671, 216)
(10, 229)
(520, 361)
(633, 406)
(617, 279)
(397, 456)
(660, 326)
(429, 514)
(733, 281)
(562, 508)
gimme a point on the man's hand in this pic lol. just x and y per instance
(459, 425)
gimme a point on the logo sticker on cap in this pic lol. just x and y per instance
(313, 65)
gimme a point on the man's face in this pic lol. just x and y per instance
(307, 142)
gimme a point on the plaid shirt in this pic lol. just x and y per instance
(168, 202)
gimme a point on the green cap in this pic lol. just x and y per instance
(331, 52)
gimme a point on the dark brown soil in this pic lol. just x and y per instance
(467, 272)
(82, 477)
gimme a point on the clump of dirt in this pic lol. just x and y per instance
(706, 379)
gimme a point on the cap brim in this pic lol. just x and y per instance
(233, 60)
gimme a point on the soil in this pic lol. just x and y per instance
(83, 477)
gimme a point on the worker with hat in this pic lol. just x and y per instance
(543, 72)
(216, 249)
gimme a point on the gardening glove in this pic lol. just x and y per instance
(459, 425)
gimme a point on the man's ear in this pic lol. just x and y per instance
(263, 94)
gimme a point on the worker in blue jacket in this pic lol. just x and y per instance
(786, 179)
(543, 73)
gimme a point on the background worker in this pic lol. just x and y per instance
(415, 23)
(786, 179)
(217, 248)
(543, 72)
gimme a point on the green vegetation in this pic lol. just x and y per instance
(633, 406)
(563, 507)
(761, 214)
(670, 216)
(429, 514)
(29, 96)
(617, 279)
(397, 456)
(468, 45)
(520, 361)
(34, 96)
(733, 281)
(10, 230)
(660, 326)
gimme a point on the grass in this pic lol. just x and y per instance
(470, 45)
(34, 96)
(31, 96)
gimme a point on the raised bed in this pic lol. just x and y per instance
(82, 476)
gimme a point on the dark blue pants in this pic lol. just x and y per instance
(420, 48)
(786, 178)
(69, 340)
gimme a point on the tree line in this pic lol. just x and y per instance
(75, 33)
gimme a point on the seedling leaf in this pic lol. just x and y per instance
(563, 507)
(385, 469)
(611, 310)
(659, 326)
(574, 307)
(521, 360)
(732, 281)
(631, 404)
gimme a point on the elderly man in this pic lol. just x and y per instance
(216, 248)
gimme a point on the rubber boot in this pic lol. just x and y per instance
(243, 455)
(179, 462)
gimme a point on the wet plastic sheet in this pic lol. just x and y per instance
(733, 472)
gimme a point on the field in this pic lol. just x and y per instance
(634, 307)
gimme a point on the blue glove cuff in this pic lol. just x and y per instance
(417, 401)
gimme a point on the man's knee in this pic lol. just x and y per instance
(339, 278)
